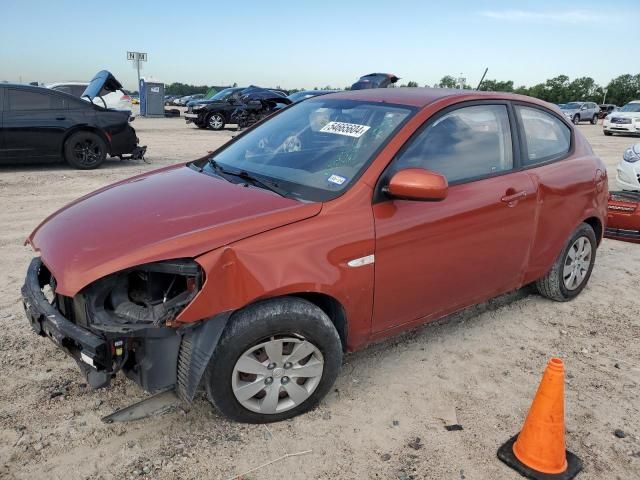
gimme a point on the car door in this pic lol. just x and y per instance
(35, 120)
(433, 258)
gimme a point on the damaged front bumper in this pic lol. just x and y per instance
(104, 331)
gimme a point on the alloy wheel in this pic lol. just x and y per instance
(87, 152)
(277, 375)
(216, 122)
(577, 263)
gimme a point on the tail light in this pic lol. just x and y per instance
(125, 98)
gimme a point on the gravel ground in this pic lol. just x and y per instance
(386, 416)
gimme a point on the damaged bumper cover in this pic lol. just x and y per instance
(120, 323)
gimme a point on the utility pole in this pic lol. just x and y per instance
(605, 95)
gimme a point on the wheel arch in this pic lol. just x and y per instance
(596, 224)
(84, 128)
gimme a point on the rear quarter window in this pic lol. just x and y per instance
(25, 100)
(546, 137)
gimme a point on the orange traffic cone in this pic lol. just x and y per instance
(538, 451)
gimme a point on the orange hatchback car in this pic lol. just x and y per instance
(338, 221)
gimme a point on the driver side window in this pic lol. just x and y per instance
(464, 144)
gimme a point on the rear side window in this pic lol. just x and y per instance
(466, 143)
(546, 137)
(22, 100)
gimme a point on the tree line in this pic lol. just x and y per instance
(560, 89)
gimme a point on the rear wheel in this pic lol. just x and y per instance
(571, 271)
(576, 119)
(275, 360)
(594, 120)
(85, 150)
(215, 121)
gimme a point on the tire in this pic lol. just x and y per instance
(594, 120)
(85, 150)
(608, 134)
(576, 119)
(215, 121)
(555, 285)
(278, 326)
(203, 126)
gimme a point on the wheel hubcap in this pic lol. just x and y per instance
(577, 263)
(277, 375)
(215, 121)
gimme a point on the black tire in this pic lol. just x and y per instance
(608, 134)
(576, 119)
(552, 285)
(85, 150)
(203, 126)
(594, 120)
(215, 121)
(263, 321)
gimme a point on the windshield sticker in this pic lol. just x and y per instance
(337, 179)
(348, 129)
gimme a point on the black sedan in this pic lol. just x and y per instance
(39, 124)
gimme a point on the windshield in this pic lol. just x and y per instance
(571, 106)
(315, 149)
(630, 107)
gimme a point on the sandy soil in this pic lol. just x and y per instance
(482, 366)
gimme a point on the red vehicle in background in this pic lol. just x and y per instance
(623, 216)
(338, 221)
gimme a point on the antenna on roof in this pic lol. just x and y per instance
(482, 79)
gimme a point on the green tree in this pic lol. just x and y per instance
(623, 89)
(448, 82)
(497, 86)
(412, 84)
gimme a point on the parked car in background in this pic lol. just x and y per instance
(44, 124)
(375, 80)
(628, 169)
(581, 112)
(342, 220)
(304, 94)
(182, 101)
(606, 109)
(135, 99)
(625, 120)
(216, 112)
(623, 216)
(168, 99)
(119, 99)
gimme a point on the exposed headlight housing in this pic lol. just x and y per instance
(145, 296)
(632, 154)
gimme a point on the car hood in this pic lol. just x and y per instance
(624, 114)
(102, 80)
(175, 212)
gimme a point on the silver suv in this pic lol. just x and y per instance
(581, 111)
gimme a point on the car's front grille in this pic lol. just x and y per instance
(620, 120)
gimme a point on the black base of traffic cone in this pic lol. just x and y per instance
(505, 453)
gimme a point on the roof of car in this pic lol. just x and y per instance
(420, 97)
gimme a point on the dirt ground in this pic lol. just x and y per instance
(384, 419)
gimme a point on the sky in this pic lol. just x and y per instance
(305, 44)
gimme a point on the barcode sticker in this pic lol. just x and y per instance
(348, 129)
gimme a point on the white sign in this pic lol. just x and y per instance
(140, 56)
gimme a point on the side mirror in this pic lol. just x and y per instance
(418, 184)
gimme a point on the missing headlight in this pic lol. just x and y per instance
(150, 294)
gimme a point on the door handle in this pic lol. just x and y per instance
(61, 118)
(514, 197)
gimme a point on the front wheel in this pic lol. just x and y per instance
(275, 360)
(576, 119)
(572, 269)
(85, 150)
(608, 134)
(215, 121)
